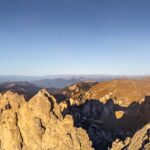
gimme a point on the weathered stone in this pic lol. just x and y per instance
(38, 125)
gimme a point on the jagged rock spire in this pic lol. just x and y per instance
(38, 124)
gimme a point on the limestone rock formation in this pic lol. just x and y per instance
(38, 125)
(140, 141)
(75, 92)
(119, 114)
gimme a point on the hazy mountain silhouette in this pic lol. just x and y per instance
(25, 88)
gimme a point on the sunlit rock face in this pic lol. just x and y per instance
(123, 92)
(38, 125)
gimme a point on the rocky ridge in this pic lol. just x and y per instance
(123, 92)
(38, 124)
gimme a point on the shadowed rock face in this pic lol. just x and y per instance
(38, 124)
(140, 141)
(109, 122)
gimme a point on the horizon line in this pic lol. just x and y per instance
(96, 74)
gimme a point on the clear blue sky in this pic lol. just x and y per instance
(41, 37)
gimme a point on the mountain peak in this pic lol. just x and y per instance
(38, 119)
(11, 100)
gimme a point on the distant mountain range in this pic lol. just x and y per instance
(7, 78)
(54, 83)
(60, 81)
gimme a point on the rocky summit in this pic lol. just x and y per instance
(38, 125)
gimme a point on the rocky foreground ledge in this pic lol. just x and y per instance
(38, 125)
